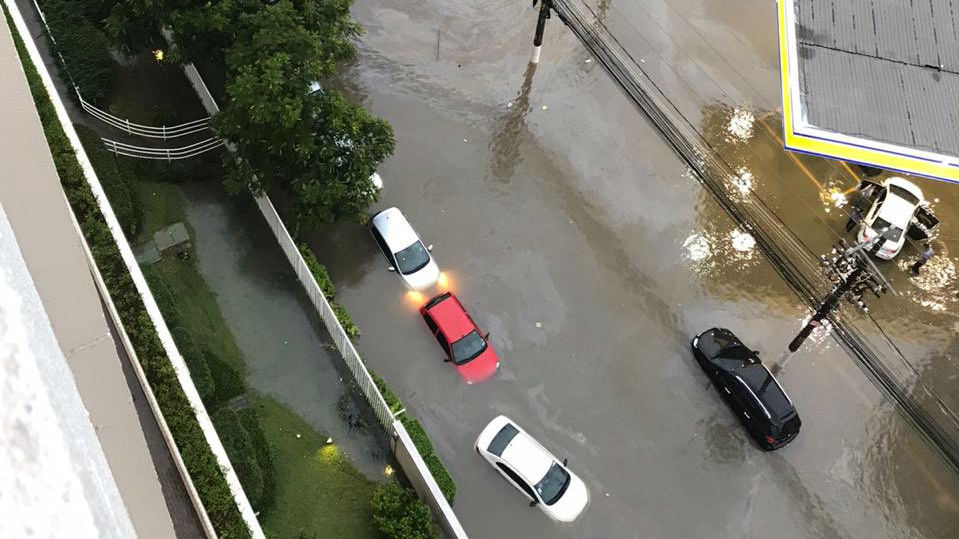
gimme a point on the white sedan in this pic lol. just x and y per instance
(890, 216)
(404, 250)
(533, 470)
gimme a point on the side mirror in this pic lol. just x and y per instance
(565, 461)
(429, 247)
(447, 360)
(486, 335)
(533, 503)
(390, 268)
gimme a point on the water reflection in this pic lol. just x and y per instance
(505, 141)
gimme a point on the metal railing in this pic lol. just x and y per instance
(168, 154)
(133, 128)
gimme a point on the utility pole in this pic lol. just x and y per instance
(544, 13)
(853, 274)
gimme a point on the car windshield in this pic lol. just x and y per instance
(904, 194)
(771, 394)
(888, 231)
(468, 347)
(711, 343)
(552, 486)
(412, 259)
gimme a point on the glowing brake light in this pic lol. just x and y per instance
(770, 439)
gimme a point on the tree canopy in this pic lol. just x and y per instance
(317, 147)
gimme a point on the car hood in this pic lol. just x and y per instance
(480, 368)
(425, 277)
(572, 503)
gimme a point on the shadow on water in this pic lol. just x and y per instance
(289, 355)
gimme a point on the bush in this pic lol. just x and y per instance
(418, 434)
(191, 443)
(399, 514)
(241, 451)
(319, 272)
(264, 456)
(84, 47)
(124, 202)
(442, 476)
(345, 320)
(227, 382)
(196, 362)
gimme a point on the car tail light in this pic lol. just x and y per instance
(770, 439)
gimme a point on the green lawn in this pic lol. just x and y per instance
(160, 203)
(318, 493)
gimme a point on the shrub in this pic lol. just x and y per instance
(84, 47)
(319, 272)
(196, 362)
(399, 514)
(124, 202)
(227, 382)
(241, 451)
(191, 443)
(264, 456)
(345, 320)
(442, 476)
(418, 434)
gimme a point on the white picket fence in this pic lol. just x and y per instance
(168, 154)
(163, 132)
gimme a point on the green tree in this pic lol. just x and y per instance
(349, 145)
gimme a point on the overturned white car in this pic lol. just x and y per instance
(893, 209)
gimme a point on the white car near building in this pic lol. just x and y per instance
(533, 470)
(404, 250)
(895, 203)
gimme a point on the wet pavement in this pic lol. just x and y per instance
(289, 356)
(580, 241)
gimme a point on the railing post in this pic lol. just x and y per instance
(128, 126)
(164, 132)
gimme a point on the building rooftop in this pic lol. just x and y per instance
(873, 82)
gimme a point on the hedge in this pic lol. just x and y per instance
(123, 200)
(420, 439)
(200, 461)
(84, 48)
(243, 455)
(399, 514)
(322, 277)
(264, 456)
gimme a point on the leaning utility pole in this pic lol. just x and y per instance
(853, 274)
(544, 13)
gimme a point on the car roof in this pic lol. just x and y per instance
(527, 457)
(395, 229)
(774, 397)
(450, 316)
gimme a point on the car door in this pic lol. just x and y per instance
(444, 344)
(382, 245)
(518, 481)
(877, 203)
(923, 225)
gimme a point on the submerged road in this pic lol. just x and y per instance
(574, 234)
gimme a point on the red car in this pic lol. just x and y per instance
(464, 344)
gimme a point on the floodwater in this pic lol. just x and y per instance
(289, 356)
(574, 235)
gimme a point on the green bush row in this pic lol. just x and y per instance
(125, 204)
(420, 439)
(84, 48)
(399, 514)
(200, 461)
(322, 277)
(249, 453)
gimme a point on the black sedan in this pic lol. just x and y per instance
(748, 387)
